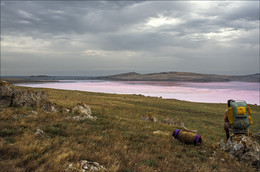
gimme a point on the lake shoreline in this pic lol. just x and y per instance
(213, 92)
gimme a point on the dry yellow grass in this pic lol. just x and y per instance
(119, 140)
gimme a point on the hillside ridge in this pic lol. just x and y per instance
(180, 76)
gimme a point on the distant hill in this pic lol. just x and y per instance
(180, 76)
(39, 76)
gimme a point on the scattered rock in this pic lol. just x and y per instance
(257, 137)
(244, 148)
(81, 108)
(66, 110)
(214, 152)
(28, 114)
(39, 132)
(49, 107)
(84, 166)
(10, 97)
(34, 112)
(149, 118)
(174, 122)
(83, 117)
(82, 112)
(18, 116)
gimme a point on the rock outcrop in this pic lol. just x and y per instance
(84, 166)
(6, 93)
(27, 114)
(28, 98)
(257, 137)
(50, 107)
(81, 112)
(10, 97)
(244, 148)
(149, 118)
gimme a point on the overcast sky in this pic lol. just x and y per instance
(107, 37)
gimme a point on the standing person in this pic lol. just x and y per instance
(227, 126)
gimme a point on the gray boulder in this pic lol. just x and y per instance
(10, 97)
(5, 102)
(5, 89)
(257, 137)
(81, 112)
(28, 98)
(84, 166)
(6, 93)
(244, 148)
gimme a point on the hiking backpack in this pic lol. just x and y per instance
(239, 116)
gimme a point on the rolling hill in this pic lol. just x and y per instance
(179, 76)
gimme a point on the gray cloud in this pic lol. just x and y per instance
(102, 37)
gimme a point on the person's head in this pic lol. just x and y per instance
(228, 102)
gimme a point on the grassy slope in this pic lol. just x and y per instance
(119, 139)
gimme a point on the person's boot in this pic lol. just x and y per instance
(227, 138)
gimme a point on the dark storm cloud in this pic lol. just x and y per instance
(79, 16)
(54, 17)
(248, 11)
(95, 33)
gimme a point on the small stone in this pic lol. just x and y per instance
(34, 112)
(85, 166)
(96, 164)
(94, 168)
(20, 116)
(66, 110)
(53, 109)
(214, 152)
(173, 122)
(39, 132)
(149, 118)
(70, 165)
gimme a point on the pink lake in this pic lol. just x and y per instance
(213, 92)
